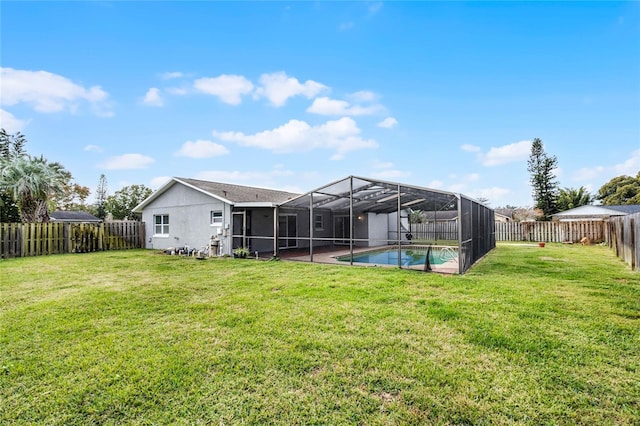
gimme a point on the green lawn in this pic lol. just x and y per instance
(528, 336)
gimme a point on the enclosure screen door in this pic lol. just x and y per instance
(341, 229)
(287, 231)
(239, 229)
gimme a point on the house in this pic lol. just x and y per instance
(504, 215)
(73, 217)
(353, 212)
(191, 212)
(440, 216)
(591, 212)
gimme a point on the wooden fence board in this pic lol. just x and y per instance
(37, 239)
(625, 239)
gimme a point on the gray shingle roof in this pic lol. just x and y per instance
(629, 208)
(240, 193)
(70, 216)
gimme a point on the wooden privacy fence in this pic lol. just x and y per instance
(624, 238)
(552, 232)
(36, 239)
(435, 231)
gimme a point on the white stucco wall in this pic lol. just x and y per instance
(393, 225)
(378, 229)
(189, 219)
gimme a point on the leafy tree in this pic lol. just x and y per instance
(11, 147)
(526, 214)
(570, 198)
(121, 204)
(417, 216)
(32, 182)
(620, 190)
(102, 192)
(543, 180)
(73, 197)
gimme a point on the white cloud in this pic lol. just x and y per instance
(346, 26)
(47, 92)
(278, 87)
(327, 106)
(201, 149)
(158, 181)
(629, 167)
(362, 96)
(153, 98)
(386, 171)
(472, 177)
(127, 162)
(391, 174)
(177, 90)
(388, 123)
(342, 135)
(435, 184)
(375, 7)
(493, 194)
(382, 165)
(470, 148)
(93, 148)
(462, 182)
(10, 123)
(171, 75)
(506, 154)
(229, 88)
(267, 179)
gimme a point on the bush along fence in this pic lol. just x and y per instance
(625, 238)
(36, 239)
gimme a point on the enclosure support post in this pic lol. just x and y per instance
(460, 225)
(399, 231)
(275, 231)
(311, 226)
(351, 220)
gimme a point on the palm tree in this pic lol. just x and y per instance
(570, 198)
(32, 181)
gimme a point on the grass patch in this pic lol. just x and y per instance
(528, 336)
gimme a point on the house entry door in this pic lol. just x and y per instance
(239, 229)
(287, 231)
(341, 232)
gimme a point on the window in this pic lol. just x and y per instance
(216, 217)
(161, 223)
(319, 222)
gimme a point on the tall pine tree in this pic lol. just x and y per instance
(543, 180)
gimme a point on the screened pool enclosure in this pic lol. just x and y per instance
(359, 218)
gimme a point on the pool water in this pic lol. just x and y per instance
(409, 257)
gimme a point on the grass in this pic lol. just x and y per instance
(529, 336)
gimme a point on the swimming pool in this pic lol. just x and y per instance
(408, 256)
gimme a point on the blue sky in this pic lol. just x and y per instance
(293, 95)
